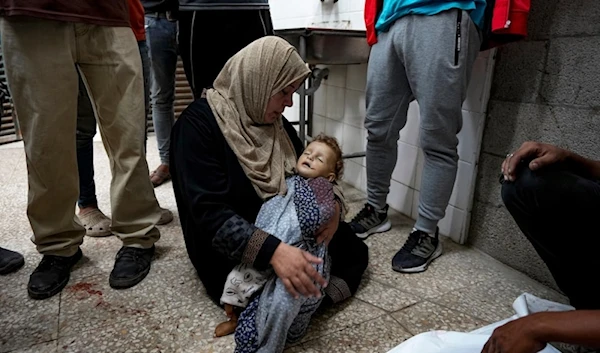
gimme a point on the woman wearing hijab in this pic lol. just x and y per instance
(231, 152)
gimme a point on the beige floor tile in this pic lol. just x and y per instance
(490, 301)
(47, 347)
(384, 296)
(349, 313)
(88, 303)
(427, 316)
(377, 335)
(24, 321)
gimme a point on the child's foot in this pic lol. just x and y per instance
(225, 328)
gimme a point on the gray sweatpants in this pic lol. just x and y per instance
(427, 58)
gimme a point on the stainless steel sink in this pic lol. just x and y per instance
(320, 46)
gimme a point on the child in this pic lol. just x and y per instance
(294, 218)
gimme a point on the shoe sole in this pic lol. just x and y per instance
(99, 234)
(383, 227)
(437, 253)
(166, 220)
(10, 268)
(57, 289)
(128, 283)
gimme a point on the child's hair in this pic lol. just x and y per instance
(337, 151)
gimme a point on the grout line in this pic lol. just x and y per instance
(403, 326)
(486, 321)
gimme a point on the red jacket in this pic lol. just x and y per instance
(508, 21)
(372, 10)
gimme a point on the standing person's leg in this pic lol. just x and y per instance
(111, 66)
(204, 56)
(161, 37)
(38, 54)
(166, 216)
(440, 60)
(556, 210)
(145, 56)
(95, 222)
(388, 96)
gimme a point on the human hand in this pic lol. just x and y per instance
(326, 232)
(294, 267)
(517, 336)
(543, 155)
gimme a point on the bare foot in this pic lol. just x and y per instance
(160, 175)
(85, 210)
(225, 328)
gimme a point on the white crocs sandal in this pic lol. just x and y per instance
(96, 223)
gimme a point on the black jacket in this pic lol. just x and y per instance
(160, 5)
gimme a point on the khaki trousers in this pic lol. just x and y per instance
(41, 59)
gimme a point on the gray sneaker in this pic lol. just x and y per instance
(418, 252)
(369, 221)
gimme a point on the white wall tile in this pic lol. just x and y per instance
(320, 101)
(301, 13)
(337, 76)
(353, 142)
(461, 193)
(293, 113)
(400, 197)
(356, 5)
(356, 77)
(356, 20)
(354, 110)
(318, 124)
(280, 9)
(410, 132)
(335, 102)
(406, 166)
(336, 129)
(453, 224)
(469, 138)
(355, 175)
(284, 23)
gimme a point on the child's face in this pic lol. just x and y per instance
(317, 160)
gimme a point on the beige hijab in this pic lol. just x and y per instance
(239, 101)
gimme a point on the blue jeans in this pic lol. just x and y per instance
(86, 129)
(161, 35)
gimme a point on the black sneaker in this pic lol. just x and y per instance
(418, 252)
(10, 261)
(369, 221)
(131, 267)
(51, 275)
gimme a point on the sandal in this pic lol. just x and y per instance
(158, 178)
(96, 223)
(166, 216)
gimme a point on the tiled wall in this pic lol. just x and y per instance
(340, 110)
(345, 14)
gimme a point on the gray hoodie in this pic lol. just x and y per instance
(192, 5)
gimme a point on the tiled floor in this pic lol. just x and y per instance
(169, 312)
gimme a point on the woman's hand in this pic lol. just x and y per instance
(294, 267)
(542, 154)
(326, 233)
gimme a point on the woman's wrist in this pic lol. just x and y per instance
(266, 252)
